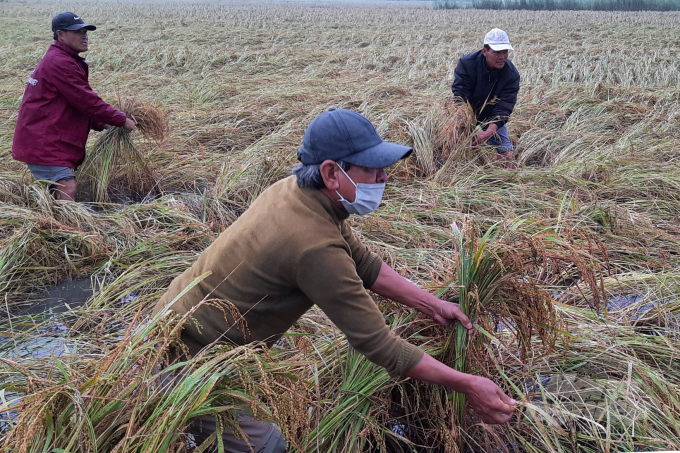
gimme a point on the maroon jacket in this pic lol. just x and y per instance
(58, 110)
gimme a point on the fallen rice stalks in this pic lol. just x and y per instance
(115, 162)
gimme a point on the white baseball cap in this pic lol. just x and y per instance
(498, 40)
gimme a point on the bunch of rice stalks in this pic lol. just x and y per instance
(359, 407)
(502, 282)
(423, 135)
(458, 130)
(445, 137)
(115, 162)
(478, 276)
(351, 422)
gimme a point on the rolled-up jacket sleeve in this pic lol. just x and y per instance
(328, 277)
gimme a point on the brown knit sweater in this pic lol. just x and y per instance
(291, 249)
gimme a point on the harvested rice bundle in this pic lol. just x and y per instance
(458, 130)
(494, 292)
(444, 137)
(115, 162)
(479, 275)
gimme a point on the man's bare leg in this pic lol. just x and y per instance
(65, 189)
(508, 159)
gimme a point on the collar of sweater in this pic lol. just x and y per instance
(336, 215)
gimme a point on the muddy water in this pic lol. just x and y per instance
(45, 315)
(37, 328)
(60, 298)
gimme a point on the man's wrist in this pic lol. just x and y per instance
(431, 305)
(461, 382)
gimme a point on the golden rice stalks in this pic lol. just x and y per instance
(445, 135)
(116, 164)
(151, 122)
(458, 129)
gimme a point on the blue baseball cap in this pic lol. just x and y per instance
(69, 21)
(341, 134)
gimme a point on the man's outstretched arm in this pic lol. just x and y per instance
(485, 397)
(393, 286)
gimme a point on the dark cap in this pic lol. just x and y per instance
(69, 21)
(346, 135)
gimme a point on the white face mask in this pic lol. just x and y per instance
(367, 197)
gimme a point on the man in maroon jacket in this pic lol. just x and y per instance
(59, 108)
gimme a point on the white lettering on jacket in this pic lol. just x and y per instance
(32, 81)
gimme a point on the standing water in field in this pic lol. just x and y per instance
(38, 327)
(42, 327)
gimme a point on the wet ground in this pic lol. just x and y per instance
(37, 328)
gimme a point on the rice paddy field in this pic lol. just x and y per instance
(581, 327)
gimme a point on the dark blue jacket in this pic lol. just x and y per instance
(492, 94)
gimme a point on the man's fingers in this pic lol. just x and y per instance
(496, 418)
(130, 125)
(447, 313)
(464, 320)
(506, 399)
(507, 403)
(506, 409)
(489, 401)
(503, 419)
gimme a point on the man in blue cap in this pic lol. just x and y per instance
(490, 83)
(292, 249)
(59, 108)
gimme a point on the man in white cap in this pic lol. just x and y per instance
(490, 82)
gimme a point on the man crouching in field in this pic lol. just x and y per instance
(59, 108)
(293, 248)
(490, 83)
